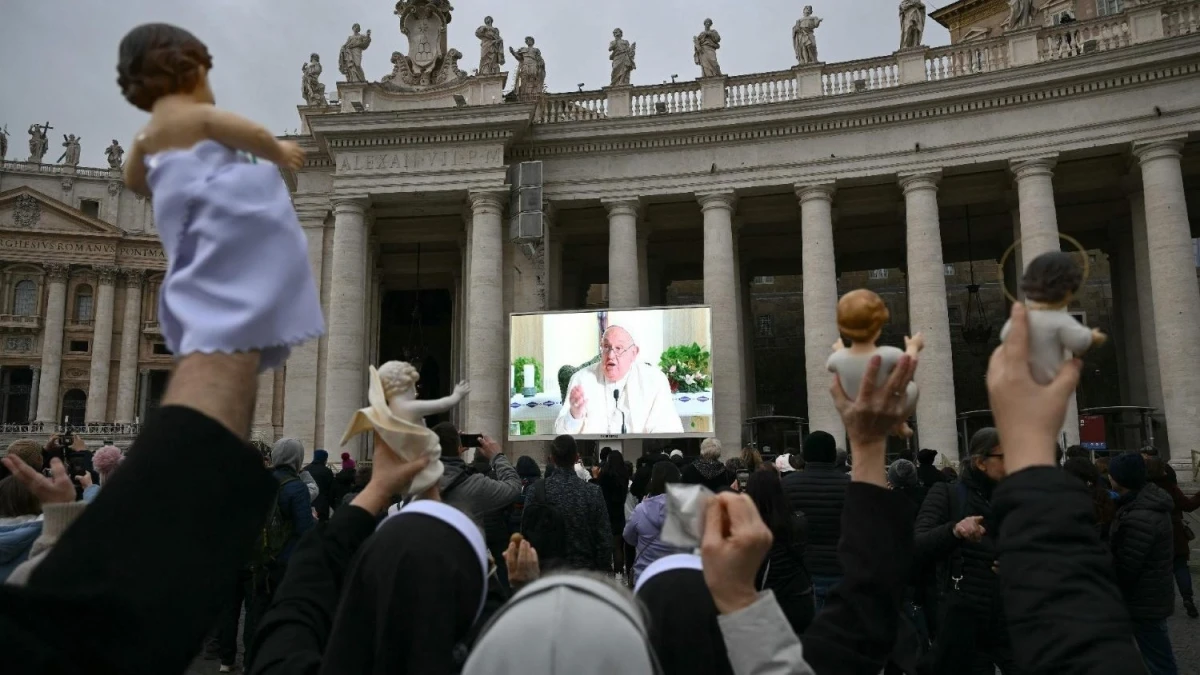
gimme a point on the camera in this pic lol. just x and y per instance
(67, 439)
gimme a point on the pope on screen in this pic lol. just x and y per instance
(619, 394)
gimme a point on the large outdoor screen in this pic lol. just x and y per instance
(612, 374)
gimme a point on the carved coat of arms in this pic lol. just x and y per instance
(27, 212)
(429, 62)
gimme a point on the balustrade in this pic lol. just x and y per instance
(1181, 18)
(676, 98)
(576, 107)
(760, 88)
(1075, 38)
(868, 75)
(985, 56)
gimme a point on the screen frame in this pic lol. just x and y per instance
(542, 438)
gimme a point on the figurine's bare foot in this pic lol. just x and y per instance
(913, 345)
(838, 345)
(1098, 337)
(902, 430)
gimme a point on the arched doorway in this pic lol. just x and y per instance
(74, 404)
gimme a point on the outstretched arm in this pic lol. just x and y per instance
(135, 170)
(441, 405)
(240, 133)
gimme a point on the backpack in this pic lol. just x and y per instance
(276, 532)
(544, 526)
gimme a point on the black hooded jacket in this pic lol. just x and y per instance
(820, 492)
(1142, 553)
(641, 478)
(935, 543)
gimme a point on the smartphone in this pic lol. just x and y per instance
(743, 477)
(469, 440)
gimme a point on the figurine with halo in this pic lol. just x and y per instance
(398, 417)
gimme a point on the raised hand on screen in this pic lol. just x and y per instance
(578, 402)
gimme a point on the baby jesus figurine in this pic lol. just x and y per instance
(1049, 283)
(861, 315)
(398, 418)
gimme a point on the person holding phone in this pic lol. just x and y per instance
(475, 494)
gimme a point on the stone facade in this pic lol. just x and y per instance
(825, 177)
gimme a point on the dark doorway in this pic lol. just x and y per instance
(158, 388)
(73, 406)
(18, 384)
(419, 326)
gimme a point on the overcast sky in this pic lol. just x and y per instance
(58, 57)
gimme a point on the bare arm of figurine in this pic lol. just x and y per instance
(1098, 337)
(913, 345)
(441, 405)
(1075, 336)
(240, 133)
(135, 170)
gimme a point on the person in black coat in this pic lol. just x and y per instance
(927, 473)
(820, 493)
(708, 470)
(783, 572)
(956, 533)
(1142, 548)
(641, 479)
(613, 480)
(343, 481)
(323, 475)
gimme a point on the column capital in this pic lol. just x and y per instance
(36, 369)
(133, 277)
(1145, 151)
(724, 200)
(806, 193)
(624, 206)
(349, 206)
(57, 271)
(106, 274)
(1033, 166)
(925, 180)
(487, 201)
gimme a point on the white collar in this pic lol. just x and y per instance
(676, 561)
(459, 521)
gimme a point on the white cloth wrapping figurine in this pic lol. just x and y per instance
(397, 416)
(687, 506)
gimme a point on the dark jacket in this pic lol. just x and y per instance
(935, 543)
(930, 475)
(614, 490)
(819, 491)
(1183, 504)
(323, 475)
(641, 478)
(783, 572)
(294, 504)
(589, 534)
(480, 497)
(161, 574)
(343, 484)
(1056, 574)
(1143, 551)
(709, 473)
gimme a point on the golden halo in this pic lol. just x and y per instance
(1065, 237)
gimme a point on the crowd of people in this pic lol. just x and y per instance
(808, 564)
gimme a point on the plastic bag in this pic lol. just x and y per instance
(686, 508)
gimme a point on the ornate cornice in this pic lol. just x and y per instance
(133, 277)
(106, 274)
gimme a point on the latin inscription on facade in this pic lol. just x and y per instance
(420, 160)
(56, 246)
(151, 257)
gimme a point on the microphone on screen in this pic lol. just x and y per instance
(617, 402)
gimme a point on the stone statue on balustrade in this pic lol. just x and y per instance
(115, 154)
(531, 73)
(3, 143)
(491, 48)
(350, 58)
(70, 156)
(705, 46)
(623, 55)
(804, 37)
(1020, 14)
(39, 142)
(429, 62)
(310, 82)
(397, 418)
(912, 23)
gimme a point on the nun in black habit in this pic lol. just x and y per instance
(682, 617)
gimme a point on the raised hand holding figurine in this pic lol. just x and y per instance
(238, 276)
(861, 315)
(397, 416)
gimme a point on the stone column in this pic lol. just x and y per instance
(264, 405)
(487, 350)
(344, 392)
(820, 304)
(1174, 293)
(624, 286)
(927, 314)
(1145, 309)
(33, 392)
(720, 286)
(300, 384)
(97, 398)
(1039, 234)
(143, 394)
(52, 341)
(131, 338)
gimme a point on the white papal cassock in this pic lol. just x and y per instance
(644, 398)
